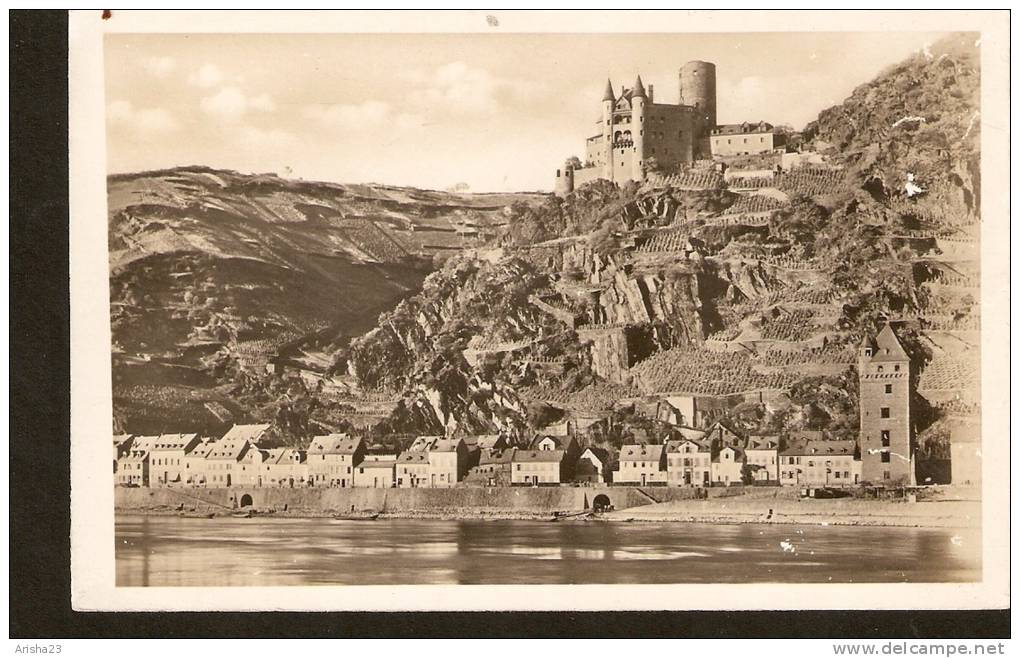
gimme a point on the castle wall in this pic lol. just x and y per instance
(587, 175)
(669, 135)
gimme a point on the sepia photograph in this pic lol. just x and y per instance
(505, 305)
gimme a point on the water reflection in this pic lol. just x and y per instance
(170, 551)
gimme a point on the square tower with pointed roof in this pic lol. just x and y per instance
(886, 437)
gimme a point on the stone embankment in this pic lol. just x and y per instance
(652, 504)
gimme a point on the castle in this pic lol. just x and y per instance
(633, 129)
(886, 433)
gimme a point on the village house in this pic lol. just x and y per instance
(536, 467)
(641, 464)
(494, 467)
(195, 465)
(720, 434)
(412, 469)
(133, 467)
(285, 467)
(375, 471)
(448, 462)
(121, 444)
(332, 458)
(571, 451)
(221, 462)
(728, 466)
(486, 441)
(823, 463)
(167, 459)
(250, 468)
(743, 139)
(762, 454)
(593, 466)
(688, 463)
(253, 434)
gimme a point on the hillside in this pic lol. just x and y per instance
(748, 294)
(617, 309)
(214, 273)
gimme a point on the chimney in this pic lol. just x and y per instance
(651, 93)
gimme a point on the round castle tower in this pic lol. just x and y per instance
(697, 88)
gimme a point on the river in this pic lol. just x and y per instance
(173, 551)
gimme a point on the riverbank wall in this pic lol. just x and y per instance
(527, 500)
(843, 511)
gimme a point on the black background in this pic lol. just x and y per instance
(40, 445)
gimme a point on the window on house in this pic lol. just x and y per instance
(885, 438)
(880, 368)
(896, 368)
(886, 475)
(885, 412)
(886, 457)
(888, 389)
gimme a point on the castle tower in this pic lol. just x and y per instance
(886, 437)
(564, 179)
(637, 113)
(697, 89)
(608, 101)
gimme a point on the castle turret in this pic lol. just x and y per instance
(565, 179)
(637, 101)
(886, 434)
(608, 101)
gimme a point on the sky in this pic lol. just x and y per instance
(494, 112)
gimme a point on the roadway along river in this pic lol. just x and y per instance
(172, 551)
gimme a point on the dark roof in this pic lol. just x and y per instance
(742, 128)
(227, 449)
(820, 448)
(496, 456)
(639, 89)
(539, 456)
(173, 441)
(334, 444)
(636, 452)
(413, 457)
(247, 432)
(889, 347)
(674, 445)
(608, 96)
(447, 445)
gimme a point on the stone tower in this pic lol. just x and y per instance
(886, 437)
(637, 100)
(697, 89)
(565, 179)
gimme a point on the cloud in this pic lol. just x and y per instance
(462, 88)
(159, 66)
(368, 112)
(208, 76)
(273, 138)
(142, 120)
(231, 102)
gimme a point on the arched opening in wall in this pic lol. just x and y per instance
(246, 500)
(616, 136)
(601, 503)
(626, 136)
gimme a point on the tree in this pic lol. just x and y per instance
(747, 474)
(573, 162)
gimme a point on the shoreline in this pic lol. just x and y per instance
(897, 514)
